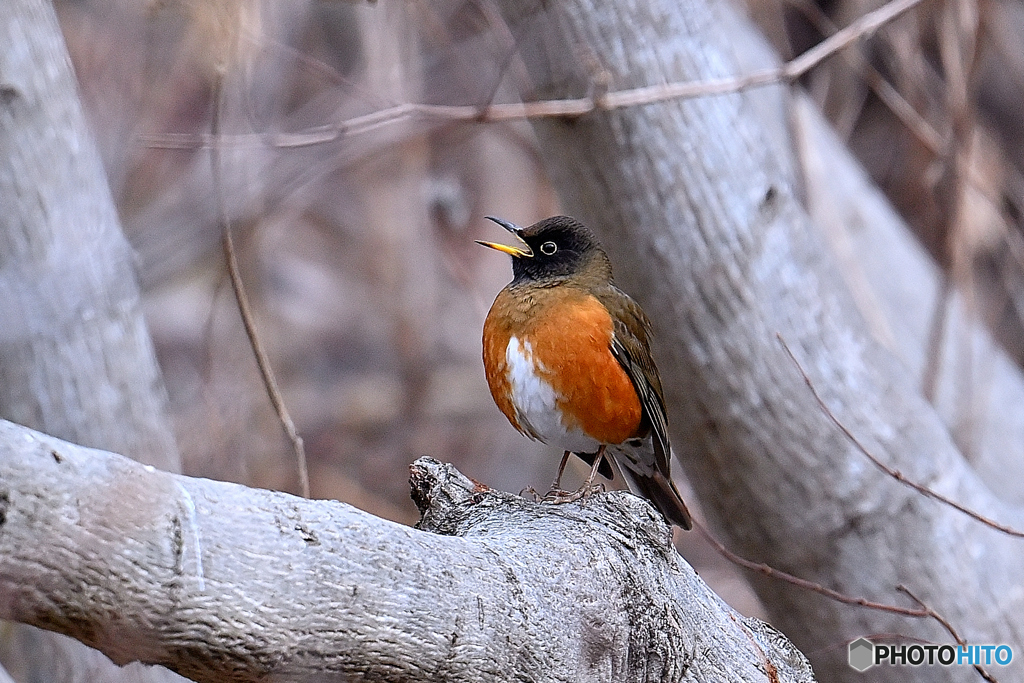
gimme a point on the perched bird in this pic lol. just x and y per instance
(568, 361)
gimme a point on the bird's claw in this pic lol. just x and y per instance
(558, 496)
(532, 494)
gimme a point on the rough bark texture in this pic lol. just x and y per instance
(698, 208)
(898, 287)
(221, 582)
(76, 359)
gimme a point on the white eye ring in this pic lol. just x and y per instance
(548, 248)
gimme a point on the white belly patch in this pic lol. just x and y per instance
(536, 402)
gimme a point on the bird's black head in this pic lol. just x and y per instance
(554, 248)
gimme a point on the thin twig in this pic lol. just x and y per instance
(949, 627)
(919, 127)
(924, 611)
(235, 276)
(791, 70)
(895, 474)
(812, 586)
(886, 92)
(863, 27)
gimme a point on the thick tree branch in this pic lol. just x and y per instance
(75, 355)
(221, 582)
(76, 359)
(897, 287)
(699, 206)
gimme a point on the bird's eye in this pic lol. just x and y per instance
(548, 248)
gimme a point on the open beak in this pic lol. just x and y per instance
(515, 252)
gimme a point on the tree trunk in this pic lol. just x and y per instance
(76, 359)
(898, 288)
(221, 582)
(699, 210)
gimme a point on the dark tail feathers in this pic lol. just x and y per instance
(663, 494)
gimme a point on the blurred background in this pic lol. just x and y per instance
(356, 239)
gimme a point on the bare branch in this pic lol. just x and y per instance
(862, 28)
(221, 582)
(814, 587)
(894, 473)
(949, 627)
(242, 298)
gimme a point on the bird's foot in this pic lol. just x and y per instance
(558, 496)
(532, 494)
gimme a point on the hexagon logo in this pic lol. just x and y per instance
(862, 654)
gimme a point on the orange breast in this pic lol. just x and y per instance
(570, 333)
(498, 330)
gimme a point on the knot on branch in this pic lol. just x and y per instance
(610, 580)
(452, 504)
(440, 492)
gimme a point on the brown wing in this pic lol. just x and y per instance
(631, 347)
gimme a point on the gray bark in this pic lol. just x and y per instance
(698, 207)
(897, 287)
(76, 359)
(221, 582)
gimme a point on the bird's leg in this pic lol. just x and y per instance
(556, 495)
(589, 486)
(556, 485)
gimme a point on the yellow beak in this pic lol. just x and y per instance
(511, 251)
(515, 252)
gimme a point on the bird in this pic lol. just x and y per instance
(568, 361)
